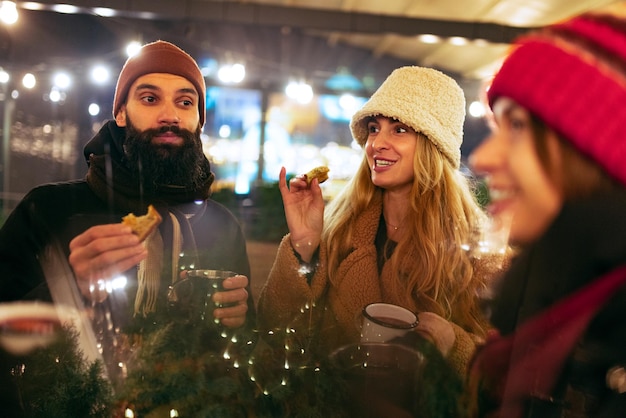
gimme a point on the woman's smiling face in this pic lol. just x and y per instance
(390, 149)
(519, 187)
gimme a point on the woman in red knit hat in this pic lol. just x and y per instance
(555, 164)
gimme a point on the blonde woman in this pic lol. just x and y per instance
(395, 234)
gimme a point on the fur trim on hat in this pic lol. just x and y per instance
(425, 99)
(572, 76)
(160, 57)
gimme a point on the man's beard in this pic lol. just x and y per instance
(165, 164)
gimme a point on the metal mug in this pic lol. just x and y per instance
(382, 322)
(191, 298)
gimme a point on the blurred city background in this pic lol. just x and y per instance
(284, 77)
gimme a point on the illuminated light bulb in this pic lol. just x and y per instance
(238, 73)
(94, 109)
(133, 48)
(65, 8)
(477, 109)
(31, 5)
(104, 11)
(4, 77)
(234, 73)
(62, 80)
(100, 74)
(29, 81)
(458, 40)
(55, 95)
(429, 39)
(8, 12)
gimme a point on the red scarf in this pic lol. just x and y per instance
(527, 363)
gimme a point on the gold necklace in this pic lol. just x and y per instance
(395, 228)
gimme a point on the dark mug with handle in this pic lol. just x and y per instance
(191, 298)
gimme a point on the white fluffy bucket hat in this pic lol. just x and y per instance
(424, 99)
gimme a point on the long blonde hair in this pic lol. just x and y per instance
(442, 214)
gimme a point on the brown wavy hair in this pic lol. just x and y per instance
(576, 175)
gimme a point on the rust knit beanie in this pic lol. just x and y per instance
(425, 99)
(572, 76)
(160, 57)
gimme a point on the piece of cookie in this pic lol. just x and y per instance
(320, 173)
(143, 225)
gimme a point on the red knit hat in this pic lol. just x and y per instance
(160, 57)
(572, 76)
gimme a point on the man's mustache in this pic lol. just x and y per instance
(164, 129)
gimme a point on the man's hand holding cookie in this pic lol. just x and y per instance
(103, 252)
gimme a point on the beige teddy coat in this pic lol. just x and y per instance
(331, 308)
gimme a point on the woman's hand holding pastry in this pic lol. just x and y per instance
(304, 210)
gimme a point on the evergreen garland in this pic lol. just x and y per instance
(183, 367)
(57, 381)
(440, 388)
(200, 372)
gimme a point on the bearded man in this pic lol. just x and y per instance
(66, 237)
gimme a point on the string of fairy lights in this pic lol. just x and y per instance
(230, 73)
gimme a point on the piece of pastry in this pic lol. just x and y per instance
(143, 225)
(320, 173)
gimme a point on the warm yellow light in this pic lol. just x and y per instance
(8, 12)
(133, 48)
(429, 39)
(29, 81)
(4, 76)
